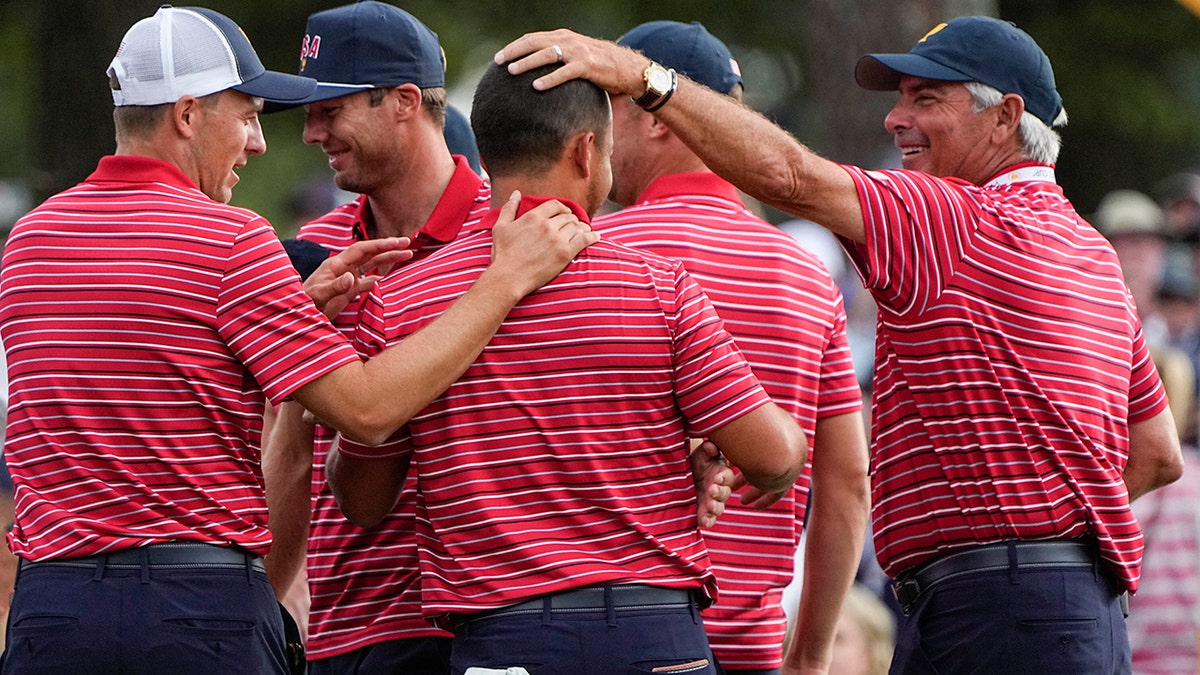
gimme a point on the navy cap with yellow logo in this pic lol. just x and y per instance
(972, 49)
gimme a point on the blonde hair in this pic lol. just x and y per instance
(877, 623)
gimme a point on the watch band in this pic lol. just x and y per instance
(647, 98)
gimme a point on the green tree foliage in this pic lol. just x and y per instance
(1129, 75)
(1128, 71)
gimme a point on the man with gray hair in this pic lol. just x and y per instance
(1017, 410)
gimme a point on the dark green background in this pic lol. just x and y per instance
(1129, 73)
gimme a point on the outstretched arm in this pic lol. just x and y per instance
(737, 143)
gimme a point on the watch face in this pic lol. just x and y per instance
(659, 80)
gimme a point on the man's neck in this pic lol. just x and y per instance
(655, 166)
(405, 204)
(549, 184)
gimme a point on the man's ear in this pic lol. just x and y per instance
(185, 114)
(582, 146)
(657, 130)
(1008, 114)
(406, 100)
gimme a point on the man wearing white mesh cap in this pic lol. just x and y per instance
(144, 321)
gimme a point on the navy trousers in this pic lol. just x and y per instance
(615, 641)
(413, 656)
(1064, 621)
(150, 621)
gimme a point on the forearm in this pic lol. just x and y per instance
(365, 490)
(762, 159)
(369, 401)
(1155, 457)
(836, 531)
(766, 446)
(287, 473)
(837, 524)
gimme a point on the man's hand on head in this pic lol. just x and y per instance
(609, 66)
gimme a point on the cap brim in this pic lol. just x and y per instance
(323, 92)
(279, 91)
(882, 72)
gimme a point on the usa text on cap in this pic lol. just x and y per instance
(972, 49)
(192, 51)
(367, 45)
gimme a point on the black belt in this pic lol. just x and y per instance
(1049, 554)
(170, 556)
(622, 596)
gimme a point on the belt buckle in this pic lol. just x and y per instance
(906, 591)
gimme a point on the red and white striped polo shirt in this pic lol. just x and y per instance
(364, 582)
(786, 315)
(1009, 362)
(143, 323)
(559, 459)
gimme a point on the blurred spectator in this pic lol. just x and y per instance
(866, 633)
(1178, 301)
(1164, 615)
(1179, 197)
(460, 139)
(1134, 224)
(313, 197)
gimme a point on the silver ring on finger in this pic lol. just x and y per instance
(558, 55)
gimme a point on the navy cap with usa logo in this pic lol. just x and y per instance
(367, 45)
(972, 49)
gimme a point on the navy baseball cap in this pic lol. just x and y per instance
(688, 48)
(193, 51)
(972, 49)
(305, 256)
(460, 139)
(368, 45)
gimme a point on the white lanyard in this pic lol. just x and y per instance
(1023, 175)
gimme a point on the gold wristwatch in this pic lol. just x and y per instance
(660, 84)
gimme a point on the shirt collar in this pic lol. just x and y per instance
(1023, 172)
(527, 203)
(700, 183)
(137, 169)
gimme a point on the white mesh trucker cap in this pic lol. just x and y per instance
(192, 51)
